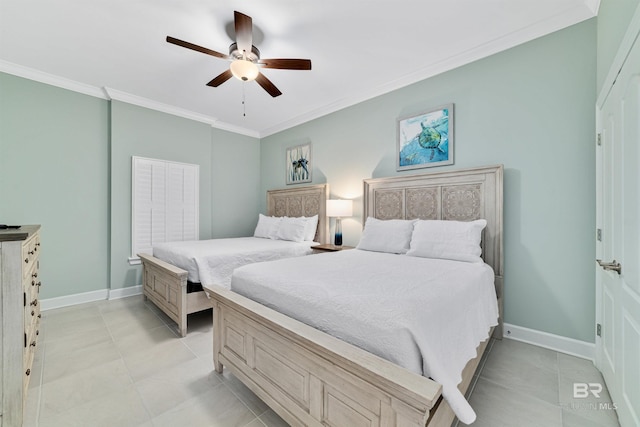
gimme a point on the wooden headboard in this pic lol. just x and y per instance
(461, 195)
(302, 201)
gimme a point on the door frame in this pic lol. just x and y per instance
(632, 33)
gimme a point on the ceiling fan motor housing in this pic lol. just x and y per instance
(235, 53)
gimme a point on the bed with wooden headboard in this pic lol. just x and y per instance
(166, 285)
(336, 383)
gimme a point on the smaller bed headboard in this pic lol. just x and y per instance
(308, 200)
(461, 195)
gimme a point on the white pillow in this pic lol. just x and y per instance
(292, 229)
(392, 235)
(310, 228)
(267, 226)
(455, 240)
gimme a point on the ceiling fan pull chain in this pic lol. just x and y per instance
(244, 105)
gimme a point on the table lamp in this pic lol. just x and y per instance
(338, 209)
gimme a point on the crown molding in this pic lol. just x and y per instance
(114, 94)
(50, 79)
(632, 33)
(562, 20)
(118, 95)
(588, 9)
(593, 5)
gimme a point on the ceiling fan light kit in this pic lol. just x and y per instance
(245, 58)
(244, 70)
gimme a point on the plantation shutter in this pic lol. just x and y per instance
(164, 203)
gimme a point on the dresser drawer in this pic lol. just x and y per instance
(30, 254)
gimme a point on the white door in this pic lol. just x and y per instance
(618, 218)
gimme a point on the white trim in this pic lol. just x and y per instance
(594, 6)
(85, 297)
(114, 94)
(633, 30)
(124, 292)
(559, 343)
(563, 20)
(134, 260)
(68, 300)
(111, 94)
(50, 79)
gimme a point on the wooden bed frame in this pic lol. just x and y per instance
(313, 379)
(166, 285)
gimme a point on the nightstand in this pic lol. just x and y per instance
(329, 248)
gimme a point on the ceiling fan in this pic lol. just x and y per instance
(245, 57)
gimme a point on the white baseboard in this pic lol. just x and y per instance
(68, 300)
(566, 345)
(125, 292)
(75, 299)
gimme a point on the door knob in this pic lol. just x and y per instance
(610, 266)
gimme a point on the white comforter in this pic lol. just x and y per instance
(426, 315)
(211, 262)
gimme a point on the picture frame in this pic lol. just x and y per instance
(298, 163)
(426, 139)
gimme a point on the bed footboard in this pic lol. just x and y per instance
(166, 286)
(310, 378)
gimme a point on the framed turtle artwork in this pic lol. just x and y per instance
(425, 139)
(298, 161)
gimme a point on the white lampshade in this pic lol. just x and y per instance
(244, 70)
(339, 208)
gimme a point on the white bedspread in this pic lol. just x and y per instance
(211, 262)
(426, 315)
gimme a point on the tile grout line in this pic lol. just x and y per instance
(133, 383)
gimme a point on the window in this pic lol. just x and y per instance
(164, 204)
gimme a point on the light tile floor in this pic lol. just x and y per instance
(121, 363)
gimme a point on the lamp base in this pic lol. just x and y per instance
(338, 236)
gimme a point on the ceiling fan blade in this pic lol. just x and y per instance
(218, 80)
(196, 47)
(286, 64)
(244, 31)
(267, 85)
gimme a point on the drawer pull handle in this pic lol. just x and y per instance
(39, 283)
(33, 343)
(31, 252)
(33, 283)
(37, 331)
(34, 275)
(28, 372)
(33, 313)
(39, 316)
(26, 260)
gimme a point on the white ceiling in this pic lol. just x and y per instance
(359, 49)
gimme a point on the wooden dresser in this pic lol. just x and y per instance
(20, 317)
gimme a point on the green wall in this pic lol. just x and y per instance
(137, 131)
(54, 172)
(228, 207)
(65, 163)
(530, 108)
